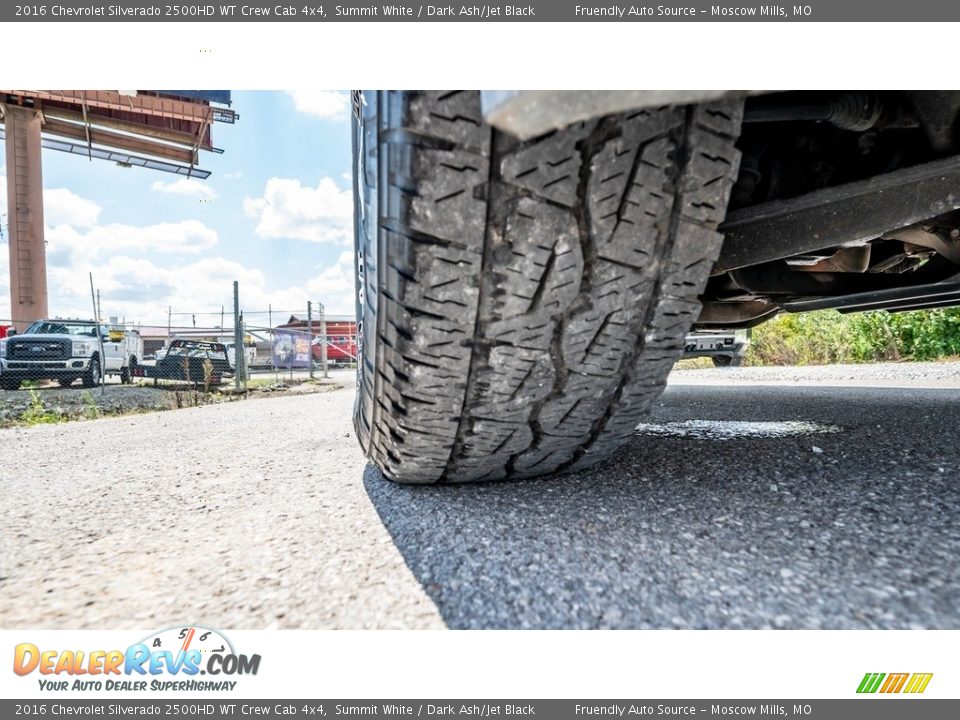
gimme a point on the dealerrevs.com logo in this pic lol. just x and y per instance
(890, 683)
(171, 659)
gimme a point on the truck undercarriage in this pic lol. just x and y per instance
(844, 199)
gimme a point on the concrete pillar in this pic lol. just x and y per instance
(28, 256)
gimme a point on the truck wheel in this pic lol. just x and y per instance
(92, 377)
(522, 302)
(65, 382)
(726, 361)
(9, 383)
(125, 372)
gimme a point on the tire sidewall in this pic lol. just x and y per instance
(94, 376)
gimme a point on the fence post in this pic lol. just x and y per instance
(241, 359)
(323, 339)
(310, 336)
(237, 336)
(103, 357)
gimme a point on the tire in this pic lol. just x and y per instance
(727, 361)
(522, 302)
(65, 382)
(9, 383)
(125, 372)
(93, 377)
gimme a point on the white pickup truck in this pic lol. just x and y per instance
(67, 350)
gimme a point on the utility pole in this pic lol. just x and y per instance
(237, 335)
(99, 310)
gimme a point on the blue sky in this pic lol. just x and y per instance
(275, 215)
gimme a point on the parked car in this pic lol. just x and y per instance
(340, 349)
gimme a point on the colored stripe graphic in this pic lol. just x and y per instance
(870, 682)
(918, 682)
(894, 683)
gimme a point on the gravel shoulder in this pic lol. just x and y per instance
(907, 374)
(244, 515)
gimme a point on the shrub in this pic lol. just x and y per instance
(827, 336)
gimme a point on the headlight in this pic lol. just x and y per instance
(79, 348)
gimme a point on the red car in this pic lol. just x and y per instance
(340, 349)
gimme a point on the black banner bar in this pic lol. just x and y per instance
(532, 11)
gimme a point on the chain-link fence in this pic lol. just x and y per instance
(202, 348)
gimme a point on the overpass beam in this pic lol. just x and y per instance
(28, 257)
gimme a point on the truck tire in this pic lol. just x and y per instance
(65, 382)
(92, 377)
(9, 383)
(126, 376)
(727, 361)
(522, 302)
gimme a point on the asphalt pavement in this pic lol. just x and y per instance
(821, 502)
(782, 507)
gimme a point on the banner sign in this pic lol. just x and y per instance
(290, 350)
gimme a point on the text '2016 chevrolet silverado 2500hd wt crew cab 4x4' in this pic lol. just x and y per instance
(529, 264)
(68, 350)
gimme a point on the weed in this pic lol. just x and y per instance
(37, 413)
(91, 410)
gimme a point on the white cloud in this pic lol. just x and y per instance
(185, 237)
(140, 290)
(188, 187)
(234, 175)
(335, 286)
(288, 209)
(325, 104)
(60, 206)
(136, 285)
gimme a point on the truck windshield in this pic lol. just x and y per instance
(50, 327)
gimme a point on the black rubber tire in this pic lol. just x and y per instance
(90, 378)
(10, 383)
(126, 376)
(727, 361)
(65, 382)
(521, 303)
